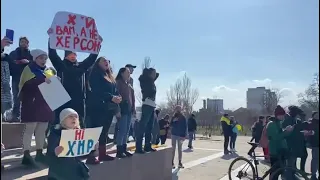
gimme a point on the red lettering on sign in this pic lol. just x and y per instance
(83, 32)
(79, 134)
(59, 41)
(67, 42)
(72, 19)
(66, 30)
(93, 34)
(76, 41)
(86, 45)
(90, 23)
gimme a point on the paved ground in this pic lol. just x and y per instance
(205, 162)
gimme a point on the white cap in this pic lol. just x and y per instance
(65, 113)
(37, 52)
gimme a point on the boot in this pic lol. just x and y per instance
(148, 148)
(91, 159)
(120, 153)
(180, 165)
(127, 153)
(40, 157)
(139, 149)
(27, 159)
(102, 154)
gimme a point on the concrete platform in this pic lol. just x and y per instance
(12, 135)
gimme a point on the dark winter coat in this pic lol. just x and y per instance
(33, 106)
(257, 129)
(102, 92)
(63, 168)
(163, 126)
(16, 67)
(314, 139)
(296, 141)
(276, 138)
(148, 87)
(72, 79)
(179, 125)
(192, 125)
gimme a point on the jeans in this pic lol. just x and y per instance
(176, 140)
(226, 141)
(315, 161)
(155, 132)
(123, 129)
(16, 101)
(191, 138)
(145, 127)
(233, 141)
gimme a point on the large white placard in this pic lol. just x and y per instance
(79, 142)
(74, 32)
(54, 93)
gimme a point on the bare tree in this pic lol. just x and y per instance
(146, 63)
(181, 93)
(310, 98)
(271, 99)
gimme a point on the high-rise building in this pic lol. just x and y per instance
(260, 99)
(215, 105)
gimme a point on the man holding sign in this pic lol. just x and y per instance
(73, 33)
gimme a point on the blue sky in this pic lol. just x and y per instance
(223, 46)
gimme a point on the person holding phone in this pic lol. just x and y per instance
(6, 95)
(179, 132)
(104, 101)
(278, 148)
(20, 58)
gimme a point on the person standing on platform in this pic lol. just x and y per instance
(35, 112)
(192, 128)
(20, 58)
(105, 101)
(148, 91)
(72, 74)
(6, 96)
(127, 106)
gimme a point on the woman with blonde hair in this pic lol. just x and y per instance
(105, 101)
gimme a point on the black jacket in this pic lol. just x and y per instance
(72, 79)
(257, 129)
(63, 168)
(192, 125)
(102, 92)
(16, 68)
(148, 88)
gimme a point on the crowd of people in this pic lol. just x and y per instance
(97, 96)
(284, 137)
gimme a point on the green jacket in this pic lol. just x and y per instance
(276, 137)
(296, 140)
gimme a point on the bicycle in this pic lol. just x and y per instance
(253, 165)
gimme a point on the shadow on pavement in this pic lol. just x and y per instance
(230, 156)
(19, 172)
(188, 150)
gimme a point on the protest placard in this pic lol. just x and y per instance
(74, 32)
(54, 93)
(79, 142)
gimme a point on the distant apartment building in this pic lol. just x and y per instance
(259, 99)
(214, 105)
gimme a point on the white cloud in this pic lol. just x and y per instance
(223, 88)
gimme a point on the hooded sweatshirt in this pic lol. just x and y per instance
(148, 88)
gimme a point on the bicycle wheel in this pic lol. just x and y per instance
(285, 171)
(244, 171)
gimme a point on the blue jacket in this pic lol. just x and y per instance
(179, 125)
(63, 168)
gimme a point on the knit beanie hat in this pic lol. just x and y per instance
(67, 112)
(279, 111)
(36, 53)
(67, 53)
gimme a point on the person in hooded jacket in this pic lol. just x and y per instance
(104, 101)
(20, 58)
(148, 90)
(72, 74)
(257, 129)
(64, 168)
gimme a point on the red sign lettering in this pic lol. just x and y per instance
(79, 134)
(72, 19)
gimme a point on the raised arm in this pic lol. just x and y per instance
(88, 62)
(55, 59)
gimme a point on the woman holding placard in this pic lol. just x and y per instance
(126, 109)
(105, 102)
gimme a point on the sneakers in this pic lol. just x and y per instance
(27, 160)
(139, 151)
(180, 165)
